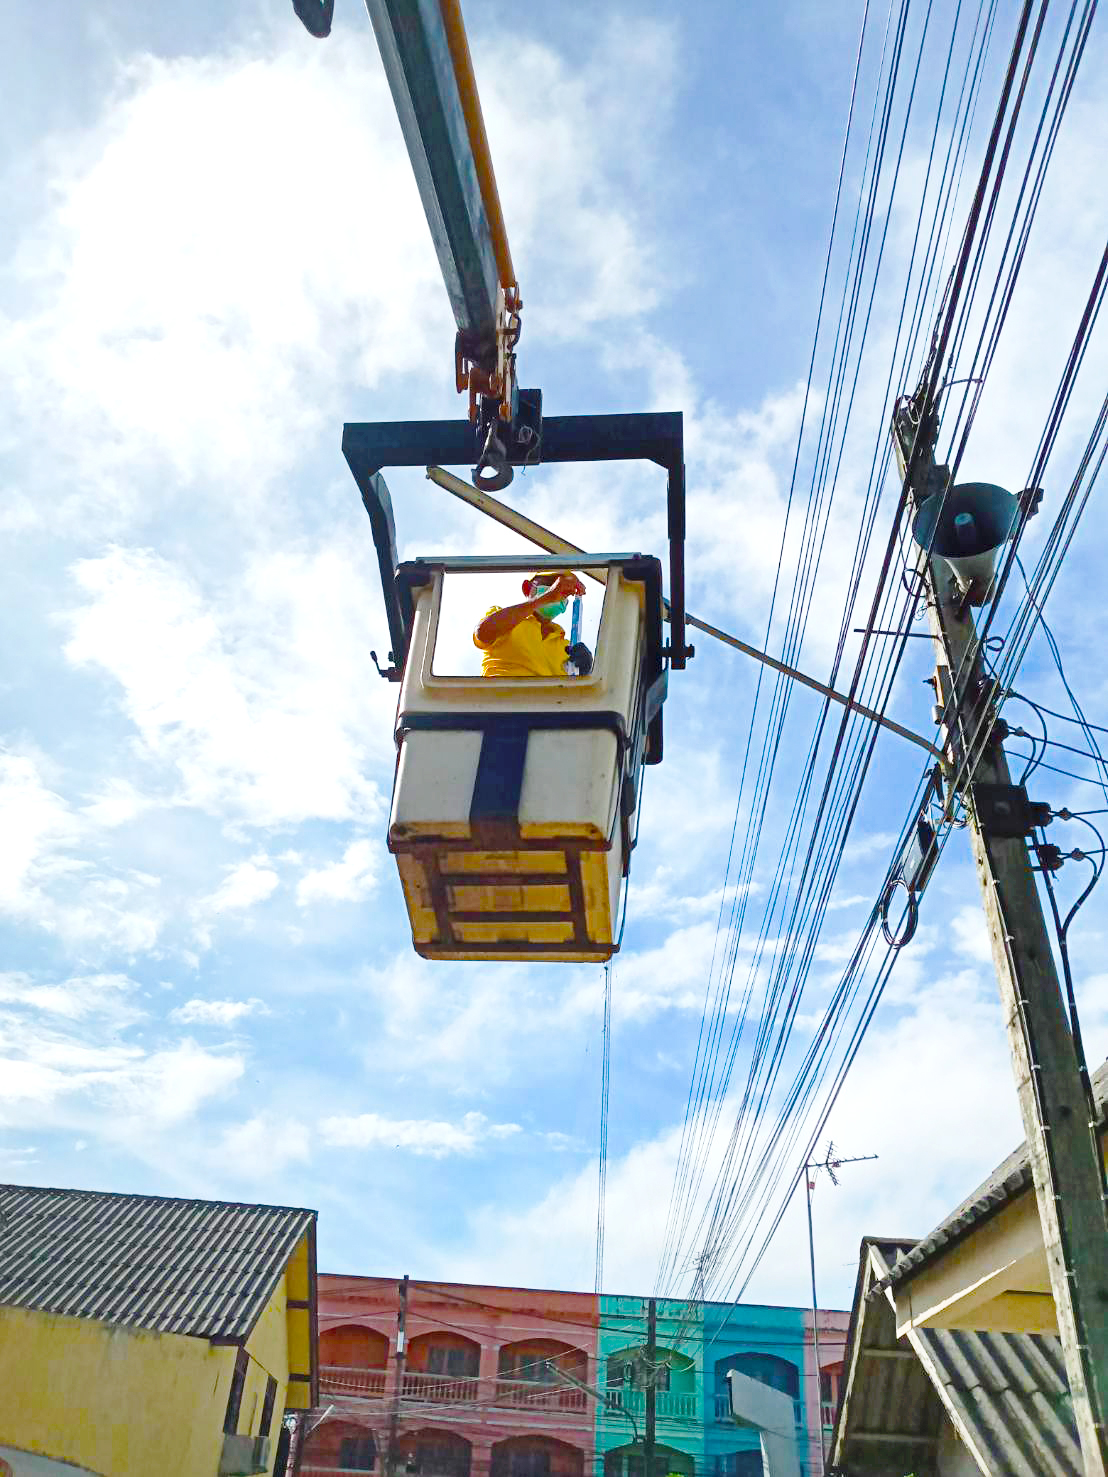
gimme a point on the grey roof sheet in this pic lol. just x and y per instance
(1005, 1393)
(205, 1268)
(1010, 1179)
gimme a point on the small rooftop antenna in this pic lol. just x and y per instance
(830, 1162)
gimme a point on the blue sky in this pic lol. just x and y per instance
(214, 255)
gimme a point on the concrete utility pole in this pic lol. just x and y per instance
(398, 1389)
(651, 1386)
(1061, 1140)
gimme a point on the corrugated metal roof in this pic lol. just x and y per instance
(1010, 1179)
(1006, 1394)
(205, 1268)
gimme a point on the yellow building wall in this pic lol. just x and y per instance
(122, 1402)
(268, 1347)
(125, 1402)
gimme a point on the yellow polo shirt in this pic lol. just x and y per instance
(525, 651)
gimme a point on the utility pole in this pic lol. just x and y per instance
(651, 1386)
(1065, 1155)
(830, 1165)
(398, 1388)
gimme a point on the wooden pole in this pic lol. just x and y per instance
(391, 1462)
(651, 1386)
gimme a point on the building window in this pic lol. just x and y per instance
(459, 1363)
(747, 1464)
(739, 1463)
(358, 1453)
(441, 1459)
(537, 1370)
(234, 1395)
(267, 1406)
(779, 1374)
(621, 1371)
(529, 1463)
(661, 1376)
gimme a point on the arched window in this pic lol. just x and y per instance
(771, 1369)
(528, 1364)
(342, 1445)
(748, 1464)
(351, 1346)
(627, 1461)
(432, 1453)
(358, 1453)
(671, 1370)
(537, 1456)
(443, 1353)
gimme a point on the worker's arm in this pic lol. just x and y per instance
(500, 622)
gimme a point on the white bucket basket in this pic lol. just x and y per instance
(515, 800)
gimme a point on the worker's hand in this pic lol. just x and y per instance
(564, 588)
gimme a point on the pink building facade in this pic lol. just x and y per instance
(511, 1382)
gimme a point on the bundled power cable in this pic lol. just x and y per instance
(758, 1166)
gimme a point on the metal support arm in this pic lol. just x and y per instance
(370, 447)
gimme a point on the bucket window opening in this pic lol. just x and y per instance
(466, 598)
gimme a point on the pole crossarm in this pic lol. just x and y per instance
(553, 543)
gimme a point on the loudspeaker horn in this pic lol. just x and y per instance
(966, 529)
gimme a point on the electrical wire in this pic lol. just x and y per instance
(602, 1168)
(953, 318)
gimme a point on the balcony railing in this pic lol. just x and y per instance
(668, 1405)
(440, 1389)
(532, 1395)
(723, 1410)
(337, 1379)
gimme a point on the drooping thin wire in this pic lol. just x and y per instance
(602, 1168)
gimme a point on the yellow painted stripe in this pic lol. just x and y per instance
(478, 139)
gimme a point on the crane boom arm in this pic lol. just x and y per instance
(426, 60)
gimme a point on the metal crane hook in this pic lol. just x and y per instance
(493, 470)
(316, 16)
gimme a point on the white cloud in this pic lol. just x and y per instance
(244, 885)
(116, 804)
(262, 1146)
(217, 1012)
(103, 995)
(348, 880)
(265, 705)
(201, 174)
(36, 822)
(430, 1138)
(971, 934)
(551, 1241)
(66, 1063)
(51, 877)
(169, 1086)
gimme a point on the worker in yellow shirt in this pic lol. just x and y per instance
(524, 640)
